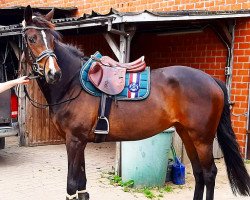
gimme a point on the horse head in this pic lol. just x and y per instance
(39, 38)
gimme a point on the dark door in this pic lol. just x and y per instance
(5, 111)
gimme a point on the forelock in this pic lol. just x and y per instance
(39, 21)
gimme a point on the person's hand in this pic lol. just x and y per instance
(22, 80)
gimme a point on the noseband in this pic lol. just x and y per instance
(36, 69)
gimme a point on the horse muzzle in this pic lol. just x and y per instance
(53, 77)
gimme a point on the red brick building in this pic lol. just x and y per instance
(203, 50)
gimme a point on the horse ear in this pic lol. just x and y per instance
(28, 14)
(50, 15)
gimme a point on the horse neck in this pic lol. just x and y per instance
(68, 62)
(70, 65)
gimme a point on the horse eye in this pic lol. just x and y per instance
(32, 39)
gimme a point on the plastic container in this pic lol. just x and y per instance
(178, 172)
(144, 161)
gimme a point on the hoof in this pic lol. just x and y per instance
(83, 196)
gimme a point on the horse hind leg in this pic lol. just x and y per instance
(205, 153)
(196, 166)
(204, 150)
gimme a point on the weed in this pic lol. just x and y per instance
(148, 193)
(129, 184)
(117, 180)
(168, 188)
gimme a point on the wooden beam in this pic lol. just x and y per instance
(113, 45)
(16, 49)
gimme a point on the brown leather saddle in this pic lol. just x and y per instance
(108, 75)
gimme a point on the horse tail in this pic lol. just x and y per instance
(236, 170)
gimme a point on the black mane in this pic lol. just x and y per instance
(74, 50)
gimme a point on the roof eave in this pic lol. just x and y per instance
(148, 17)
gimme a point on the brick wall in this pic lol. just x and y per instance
(241, 79)
(103, 6)
(201, 50)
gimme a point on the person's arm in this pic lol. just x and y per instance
(9, 84)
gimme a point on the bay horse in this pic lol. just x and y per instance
(188, 99)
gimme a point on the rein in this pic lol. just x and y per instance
(36, 69)
(44, 106)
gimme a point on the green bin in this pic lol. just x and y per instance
(145, 161)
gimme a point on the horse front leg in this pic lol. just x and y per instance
(82, 193)
(76, 174)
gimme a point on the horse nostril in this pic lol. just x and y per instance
(57, 75)
(50, 75)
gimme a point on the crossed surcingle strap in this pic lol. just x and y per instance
(108, 76)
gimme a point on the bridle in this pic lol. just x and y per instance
(39, 72)
(36, 69)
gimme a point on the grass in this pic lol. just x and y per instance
(168, 189)
(117, 180)
(149, 192)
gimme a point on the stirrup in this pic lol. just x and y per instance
(102, 126)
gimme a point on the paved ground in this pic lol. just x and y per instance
(40, 173)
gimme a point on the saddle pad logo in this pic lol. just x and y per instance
(133, 87)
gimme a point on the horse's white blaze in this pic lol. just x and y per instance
(52, 66)
(51, 62)
(44, 39)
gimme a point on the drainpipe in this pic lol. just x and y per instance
(247, 125)
(229, 73)
(229, 68)
(229, 64)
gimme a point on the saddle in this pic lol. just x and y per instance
(108, 75)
